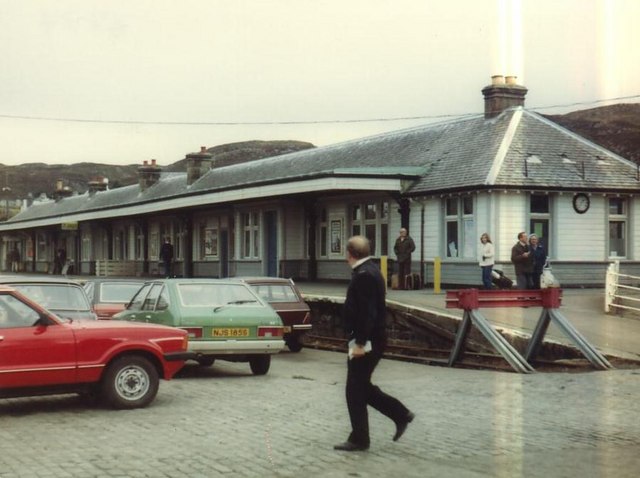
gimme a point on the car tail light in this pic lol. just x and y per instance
(194, 332)
(270, 332)
(185, 343)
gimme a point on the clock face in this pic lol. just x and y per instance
(581, 203)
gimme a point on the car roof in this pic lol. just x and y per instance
(8, 279)
(265, 280)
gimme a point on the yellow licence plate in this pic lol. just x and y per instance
(231, 332)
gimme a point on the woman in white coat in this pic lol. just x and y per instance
(486, 260)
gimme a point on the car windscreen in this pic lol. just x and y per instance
(119, 292)
(210, 294)
(55, 296)
(276, 292)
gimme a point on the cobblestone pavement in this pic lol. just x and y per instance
(222, 421)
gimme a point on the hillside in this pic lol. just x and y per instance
(37, 178)
(616, 127)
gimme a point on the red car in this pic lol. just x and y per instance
(121, 362)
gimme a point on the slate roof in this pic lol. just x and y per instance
(516, 149)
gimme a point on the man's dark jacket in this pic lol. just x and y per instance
(365, 310)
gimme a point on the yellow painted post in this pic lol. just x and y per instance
(437, 266)
(383, 268)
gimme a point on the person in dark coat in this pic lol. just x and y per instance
(364, 317)
(166, 256)
(539, 258)
(523, 262)
(403, 248)
(60, 261)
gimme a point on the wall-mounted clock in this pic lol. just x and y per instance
(581, 203)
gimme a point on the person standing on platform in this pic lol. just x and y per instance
(539, 259)
(523, 262)
(166, 256)
(486, 260)
(364, 316)
(403, 248)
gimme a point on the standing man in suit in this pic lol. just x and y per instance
(522, 262)
(364, 318)
(403, 248)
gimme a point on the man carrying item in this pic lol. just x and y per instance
(523, 262)
(364, 316)
(403, 248)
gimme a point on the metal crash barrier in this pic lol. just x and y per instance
(470, 300)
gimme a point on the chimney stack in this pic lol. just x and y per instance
(502, 93)
(197, 165)
(99, 183)
(148, 174)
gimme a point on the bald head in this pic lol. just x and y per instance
(358, 247)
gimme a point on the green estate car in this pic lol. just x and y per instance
(225, 319)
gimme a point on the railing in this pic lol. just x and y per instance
(620, 293)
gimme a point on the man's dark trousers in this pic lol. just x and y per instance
(361, 392)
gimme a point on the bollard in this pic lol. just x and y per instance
(384, 264)
(436, 274)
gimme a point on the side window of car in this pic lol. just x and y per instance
(14, 313)
(163, 300)
(138, 299)
(152, 297)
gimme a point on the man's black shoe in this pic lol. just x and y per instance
(350, 446)
(401, 427)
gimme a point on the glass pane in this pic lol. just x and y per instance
(355, 213)
(247, 243)
(355, 229)
(539, 204)
(384, 240)
(452, 207)
(540, 227)
(323, 215)
(452, 239)
(616, 206)
(323, 241)
(255, 243)
(370, 212)
(384, 212)
(467, 205)
(469, 238)
(617, 243)
(370, 233)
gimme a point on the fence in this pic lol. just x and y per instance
(621, 290)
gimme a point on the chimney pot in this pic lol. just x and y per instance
(497, 80)
(153, 162)
(145, 163)
(511, 80)
(499, 97)
(203, 149)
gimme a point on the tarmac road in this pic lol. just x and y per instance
(223, 421)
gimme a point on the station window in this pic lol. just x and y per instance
(250, 231)
(540, 219)
(459, 227)
(371, 219)
(618, 227)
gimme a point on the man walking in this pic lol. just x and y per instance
(364, 318)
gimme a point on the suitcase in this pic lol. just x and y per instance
(500, 280)
(412, 281)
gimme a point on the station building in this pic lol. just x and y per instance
(506, 171)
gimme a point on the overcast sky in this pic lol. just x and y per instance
(107, 81)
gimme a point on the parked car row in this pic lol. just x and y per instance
(50, 341)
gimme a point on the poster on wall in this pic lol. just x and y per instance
(153, 244)
(336, 236)
(211, 242)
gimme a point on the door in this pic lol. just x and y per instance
(271, 246)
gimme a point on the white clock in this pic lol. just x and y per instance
(581, 203)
